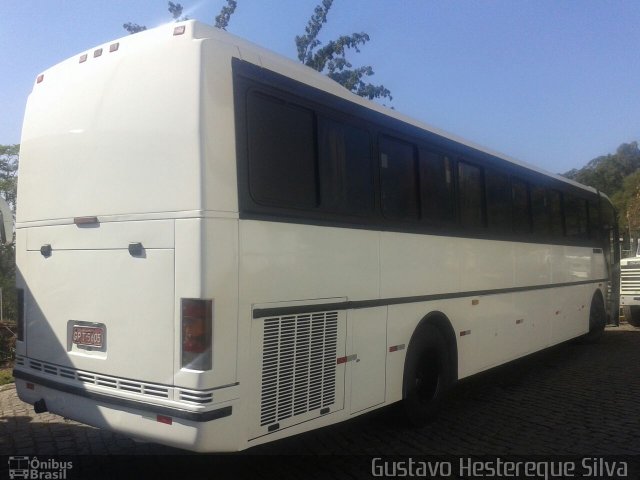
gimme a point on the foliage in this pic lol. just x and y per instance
(9, 173)
(8, 339)
(222, 20)
(8, 189)
(175, 9)
(617, 175)
(133, 27)
(607, 173)
(331, 57)
(627, 204)
(5, 376)
(8, 281)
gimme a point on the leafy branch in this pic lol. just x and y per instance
(222, 20)
(331, 58)
(175, 9)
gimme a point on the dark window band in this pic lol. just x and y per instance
(122, 402)
(382, 302)
(310, 157)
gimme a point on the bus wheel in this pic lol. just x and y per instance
(632, 315)
(427, 375)
(597, 319)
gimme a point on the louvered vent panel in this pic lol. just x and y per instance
(630, 281)
(298, 365)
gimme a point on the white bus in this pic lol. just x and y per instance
(219, 247)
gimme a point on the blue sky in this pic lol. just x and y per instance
(551, 83)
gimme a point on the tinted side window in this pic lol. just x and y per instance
(399, 179)
(498, 200)
(539, 213)
(575, 216)
(521, 210)
(470, 195)
(594, 219)
(437, 187)
(345, 166)
(554, 207)
(282, 152)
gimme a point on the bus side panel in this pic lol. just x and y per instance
(287, 264)
(207, 267)
(218, 128)
(369, 343)
(532, 310)
(535, 311)
(532, 263)
(418, 264)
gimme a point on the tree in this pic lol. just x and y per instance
(222, 20)
(8, 188)
(627, 203)
(331, 57)
(607, 173)
(9, 173)
(175, 9)
(617, 175)
(133, 27)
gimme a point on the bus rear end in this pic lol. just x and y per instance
(117, 325)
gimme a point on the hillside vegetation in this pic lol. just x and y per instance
(617, 175)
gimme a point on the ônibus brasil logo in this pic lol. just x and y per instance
(32, 468)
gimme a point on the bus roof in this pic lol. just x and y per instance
(268, 59)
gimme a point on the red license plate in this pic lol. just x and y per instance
(88, 336)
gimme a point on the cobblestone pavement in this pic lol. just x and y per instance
(576, 399)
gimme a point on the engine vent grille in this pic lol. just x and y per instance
(132, 386)
(194, 397)
(200, 397)
(630, 281)
(298, 365)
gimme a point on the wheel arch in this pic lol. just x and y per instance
(443, 324)
(597, 301)
(597, 317)
(598, 292)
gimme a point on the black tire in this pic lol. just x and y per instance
(632, 315)
(427, 375)
(597, 319)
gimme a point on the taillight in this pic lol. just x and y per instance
(197, 325)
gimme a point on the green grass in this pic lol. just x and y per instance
(5, 376)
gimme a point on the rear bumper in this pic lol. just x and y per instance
(207, 431)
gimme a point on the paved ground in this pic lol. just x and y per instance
(572, 399)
